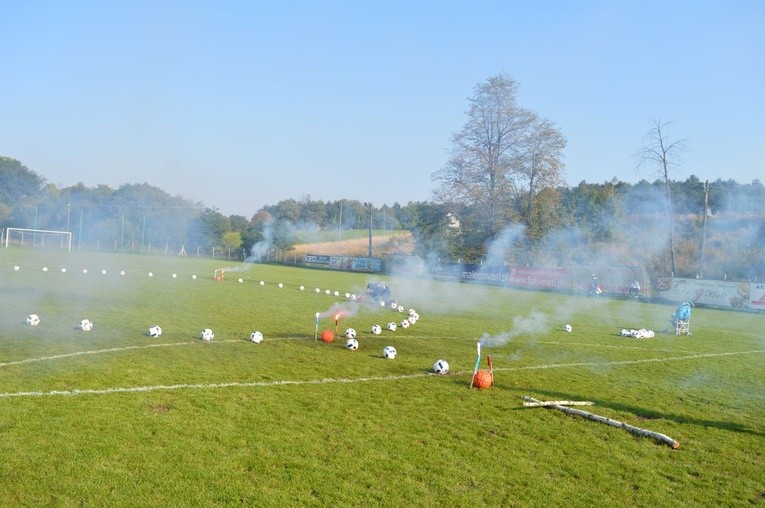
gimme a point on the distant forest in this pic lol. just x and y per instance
(614, 223)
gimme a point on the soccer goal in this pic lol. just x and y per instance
(40, 238)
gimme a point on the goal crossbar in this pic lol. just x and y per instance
(34, 232)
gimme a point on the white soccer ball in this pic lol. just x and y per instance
(382, 303)
(327, 292)
(262, 283)
(194, 277)
(351, 344)
(281, 285)
(350, 333)
(103, 272)
(404, 323)
(16, 268)
(45, 268)
(33, 320)
(391, 326)
(353, 296)
(122, 272)
(256, 337)
(175, 275)
(151, 274)
(412, 312)
(393, 305)
(63, 270)
(240, 280)
(413, 319)
(155, 331)
(376, 329)
(400, 308)
(85, 270)
(389, 352)
(86, 325)
(441, 367)
(337, 293)
(317, 290)
(347, 295)
(207, 334)
(302, 288)
(568, 328)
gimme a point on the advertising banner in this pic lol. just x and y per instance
(757, 296)
(340, 262)
(445, 271)
(482, 274)
(538, 278)
(705, 292)
(316, 260)
(344, 263)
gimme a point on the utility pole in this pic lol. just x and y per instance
(704, 228)
(370, 229)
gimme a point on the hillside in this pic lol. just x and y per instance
(356, 243)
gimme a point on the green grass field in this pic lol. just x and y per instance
(113, 417)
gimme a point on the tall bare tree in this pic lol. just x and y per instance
(663, 155)
(539, 167)
(499, 160)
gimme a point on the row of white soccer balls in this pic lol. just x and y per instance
(389, 352)
(103, 272)
(207, 334)
(85, 325)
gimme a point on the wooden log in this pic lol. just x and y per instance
(546, 403)
(614, 423)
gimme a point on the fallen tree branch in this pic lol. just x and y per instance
(547, 403)
(614, 423)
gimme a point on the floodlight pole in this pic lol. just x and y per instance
(370, 229)
(704, 228)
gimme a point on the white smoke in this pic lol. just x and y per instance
(261, 248)
(534, 324)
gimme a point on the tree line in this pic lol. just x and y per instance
(612, 222)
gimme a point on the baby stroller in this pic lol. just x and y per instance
(681, 319)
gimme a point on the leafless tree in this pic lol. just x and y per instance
(502, 156)
(663, 155)
(539, 167)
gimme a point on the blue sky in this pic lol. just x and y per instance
(243, 104)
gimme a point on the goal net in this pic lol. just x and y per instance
(39, 238)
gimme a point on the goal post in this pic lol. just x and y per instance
(45, 238)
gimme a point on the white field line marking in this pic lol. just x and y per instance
(235, 384)
(611, 346)
(115, 350)
(266, 384)
(630, 362)
(128, 348)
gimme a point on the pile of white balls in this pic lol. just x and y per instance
(638, 334)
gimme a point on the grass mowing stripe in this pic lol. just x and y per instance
(101, 351)
(126, 348)
(239, 384)
(630, 362)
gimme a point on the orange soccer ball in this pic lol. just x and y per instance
(483, 379)
(327, 336)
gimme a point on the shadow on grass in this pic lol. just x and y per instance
(639, 412)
